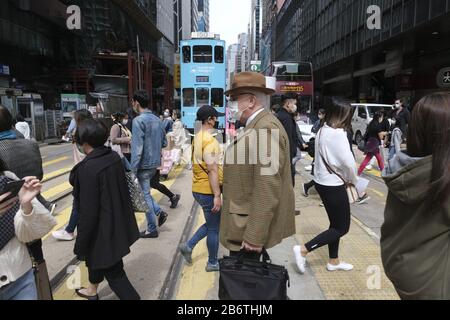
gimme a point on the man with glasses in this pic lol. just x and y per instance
(258, 204)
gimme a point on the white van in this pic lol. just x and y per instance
(363, 115)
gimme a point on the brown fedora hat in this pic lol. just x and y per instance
(249, 81)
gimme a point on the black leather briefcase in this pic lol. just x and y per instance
(246, 279)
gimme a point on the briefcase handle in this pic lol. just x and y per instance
(265, 257)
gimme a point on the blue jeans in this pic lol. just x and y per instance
(391, 152)
(210, 229)
(144, 177)
(22, 289)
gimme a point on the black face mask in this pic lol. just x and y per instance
(216, 125)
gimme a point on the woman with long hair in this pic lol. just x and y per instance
(415, 237)
(334, 168)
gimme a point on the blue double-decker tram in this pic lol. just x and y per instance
(203, 76)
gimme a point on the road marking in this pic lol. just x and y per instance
(195, 282)
(48, 163)
(378, 193)
(56, 173)
(60, 189)
(65, 291)
(61, 220)
(365, 228)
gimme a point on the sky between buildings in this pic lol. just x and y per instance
(229, 18)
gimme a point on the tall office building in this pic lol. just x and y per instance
(194, 15)
(242, 56)
(232, 62)
(408, 57)
(203, 15)
(255, 32)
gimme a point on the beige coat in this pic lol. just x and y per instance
(258, 208)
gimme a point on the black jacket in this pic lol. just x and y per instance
(107, 226)
(288, 122)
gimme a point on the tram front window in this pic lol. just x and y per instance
(188, 97)
(202, 96)
(203, 54)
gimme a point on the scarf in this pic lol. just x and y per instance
(8, 135)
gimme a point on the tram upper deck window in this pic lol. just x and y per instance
(217, 97)
(202, 54)
(218, 54)
(202, 96)
(188, 97)
(186, 54)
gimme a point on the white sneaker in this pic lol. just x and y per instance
(341, 267)
(299, 259)
(369, 167)
(63, 235)
(308, 168)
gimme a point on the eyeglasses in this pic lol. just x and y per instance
(236, 97)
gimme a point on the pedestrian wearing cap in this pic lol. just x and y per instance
(206, 187)
(258, 204)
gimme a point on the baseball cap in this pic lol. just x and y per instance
(206, 112)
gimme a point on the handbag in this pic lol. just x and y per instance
(136, 193)
(352, 192)
(42, 280)
(247, 279)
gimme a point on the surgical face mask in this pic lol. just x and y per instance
(294, 108)
(166, 114)
(125, 122)
(233, 112)
(398, 105)
(80, 149)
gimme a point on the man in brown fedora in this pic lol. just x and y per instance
(258, 202)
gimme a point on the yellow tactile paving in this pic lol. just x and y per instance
(195, 282)
(366, 282)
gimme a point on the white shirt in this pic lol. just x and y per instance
(333, 145)
(24, 129)
(14, 257)
(253, 117)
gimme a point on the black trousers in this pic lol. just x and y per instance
(117, 280)
(335, 200)
(156, 184)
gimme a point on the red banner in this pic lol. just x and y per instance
(300, 88)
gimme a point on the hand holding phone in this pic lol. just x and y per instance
(11, 190)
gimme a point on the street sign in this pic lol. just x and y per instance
(255, 66)
(443, 78)
(4, 70)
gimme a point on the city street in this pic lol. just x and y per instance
(158, 271)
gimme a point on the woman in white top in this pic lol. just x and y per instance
(23, 127)
(334, 163)
(22, 220)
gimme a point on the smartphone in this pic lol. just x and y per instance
(13, 187)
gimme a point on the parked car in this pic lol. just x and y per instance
(363, 115)
(305, 129)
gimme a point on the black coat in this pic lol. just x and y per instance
(288, 122)
(107, 227)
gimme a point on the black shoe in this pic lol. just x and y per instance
(176, 198)
(93, 298)
(162, 218)
(153, 235)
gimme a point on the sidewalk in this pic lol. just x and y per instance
(360, 248)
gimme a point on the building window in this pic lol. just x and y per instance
(186, 54)
(188, 97)
(202, 54)
(202, 96)
(217, 97)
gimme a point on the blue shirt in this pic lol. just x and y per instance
(149, 137)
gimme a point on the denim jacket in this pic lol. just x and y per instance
(149, 138)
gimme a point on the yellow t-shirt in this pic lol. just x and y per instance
(205, 149)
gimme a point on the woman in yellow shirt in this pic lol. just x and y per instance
(208, 177)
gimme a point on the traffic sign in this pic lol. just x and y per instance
(255, 66)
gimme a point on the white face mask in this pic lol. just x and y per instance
(234, 115)
(397, 105)
(294, 108)
(125, 122)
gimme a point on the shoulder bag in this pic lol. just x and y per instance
(352, 192)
